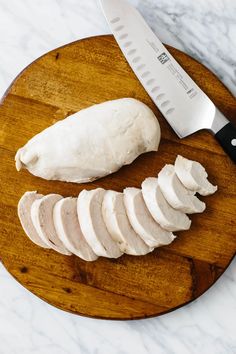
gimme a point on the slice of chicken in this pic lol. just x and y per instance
(176, 194)
(169, 218)
(142, 221)
(93, 226)
(118, 225)
(42, 218)
(193, 176)
(24, 207)
(68, 229)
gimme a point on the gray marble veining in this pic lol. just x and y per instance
(206, 29)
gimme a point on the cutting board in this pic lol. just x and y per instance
(60, 83)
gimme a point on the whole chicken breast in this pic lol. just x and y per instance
(92, 143)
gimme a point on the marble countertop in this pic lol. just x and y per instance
(206, 29)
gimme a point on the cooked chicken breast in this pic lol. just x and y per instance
(42, 218)
(119, 227)
(97, 141)
(142, 221)
(176, 194)
(24, 207)
(93, 226)
(193, 176)
(169, 218)
(68, 229)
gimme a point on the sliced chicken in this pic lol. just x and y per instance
(93, 226)
(24, 207)
(68, 229)
(42, 218)
(193, 176)
(118, 225)
(176, 194)
(169, 218)
(142, 221)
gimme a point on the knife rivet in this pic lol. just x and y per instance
(233, 142)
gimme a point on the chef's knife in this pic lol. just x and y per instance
(184, 105)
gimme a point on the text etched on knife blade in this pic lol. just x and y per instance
(164, 58)
(191, 92)
(153, 46)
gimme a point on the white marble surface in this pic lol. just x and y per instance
(206, 29)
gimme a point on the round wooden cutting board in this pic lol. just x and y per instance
(60, 83)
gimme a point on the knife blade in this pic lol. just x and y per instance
(183, 104)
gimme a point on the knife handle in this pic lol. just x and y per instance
(226, 136)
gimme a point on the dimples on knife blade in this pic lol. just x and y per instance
(185, 106)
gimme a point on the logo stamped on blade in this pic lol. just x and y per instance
(163, 58)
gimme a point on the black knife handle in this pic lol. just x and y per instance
(227, 139)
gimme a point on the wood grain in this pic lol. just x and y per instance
(60, 83)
